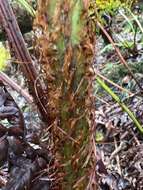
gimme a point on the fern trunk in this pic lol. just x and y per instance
(66, 47)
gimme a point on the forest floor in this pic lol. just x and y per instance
(119, 143)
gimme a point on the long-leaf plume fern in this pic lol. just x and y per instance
(66, 47)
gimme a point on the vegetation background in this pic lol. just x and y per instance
(82, 64)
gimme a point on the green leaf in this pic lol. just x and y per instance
(99, 136)
(28, 7)
(108, 5)
(121, 104)
(4, 56)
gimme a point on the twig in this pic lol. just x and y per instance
(65, 133)
(122, 105)
(114, 84)
(117, 158)
(117, 149)
(21, 53)
(16, 87)
(101, 100)
(122, 60)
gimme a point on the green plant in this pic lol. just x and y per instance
(111, 5)
(121, 104)
(4, 56)
(128, 20)
(135, 17)
(27, 7)
(108, 5)
(67, 47)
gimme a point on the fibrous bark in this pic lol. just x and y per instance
(66, 45)
(18, 46)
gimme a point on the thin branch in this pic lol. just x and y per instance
(122, 60)
(16, 87)
(112, 83)
(21, 53)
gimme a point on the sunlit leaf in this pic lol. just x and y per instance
(4, 56)
(99, 136)
(27, 6)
